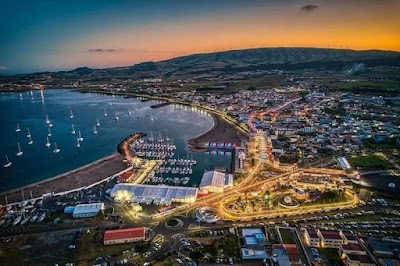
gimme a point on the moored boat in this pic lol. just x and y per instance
(8, 162)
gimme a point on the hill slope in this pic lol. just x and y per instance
(284, 58)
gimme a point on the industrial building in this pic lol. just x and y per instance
(214, 181)
(123, 236)
(160, 195)
(87, 210)
(254, 242)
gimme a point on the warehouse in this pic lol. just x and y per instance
(148, 194)
(123, 236)
(87, 210)
(214, 181)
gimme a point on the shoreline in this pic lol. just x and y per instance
(59, 183)
(88, 174)
(223, 129)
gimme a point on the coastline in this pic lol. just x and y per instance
(223, 129)
(88, 174)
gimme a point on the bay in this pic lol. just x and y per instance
(38, 162)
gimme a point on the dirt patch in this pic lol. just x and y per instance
(88, 174)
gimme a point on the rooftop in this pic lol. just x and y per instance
(128, 233)
(157, 194)
(88, 208)
(352, 246)
(330, 234)
(216, 179)
(360, 258)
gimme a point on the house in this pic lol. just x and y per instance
(312, 238)
(123, 236)
(351, 248)
(358, 260)
(330, 238)
(348, 237)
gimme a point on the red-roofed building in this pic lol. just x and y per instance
(330, 238)
(125, 177)
(123, 236)
(293, 253)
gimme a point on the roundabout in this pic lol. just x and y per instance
(206, 215)
(174, 224)
(286, 201)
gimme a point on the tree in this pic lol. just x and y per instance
(196, 255)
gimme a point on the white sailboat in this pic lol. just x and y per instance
(20, 96)
(105, 112)
(8, 163)
(30, 142)
(73, 129)
(98, 122)
(47, 119)
(129, 112)
(78, 144)
(47, 142)
(56, 150)
(94, 130)
(116, 116)
(49, 134)
(80, 136)
(17, 129)
(19, 152)
(71, 115)
(29, 133)
(151, 118)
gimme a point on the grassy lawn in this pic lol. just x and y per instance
(337, 199)
(287, 236)
(373, 161)
(332, 255)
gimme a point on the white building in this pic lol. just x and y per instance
(87, 210)
(214, 181)
(150, 194)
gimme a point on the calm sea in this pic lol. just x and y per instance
(38, 162)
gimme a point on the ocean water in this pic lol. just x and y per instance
(38, 162)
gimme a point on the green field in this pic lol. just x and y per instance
(368, 85)
(371, 161)
(331, 254)
(287, 236)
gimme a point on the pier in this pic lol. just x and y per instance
(159, 105)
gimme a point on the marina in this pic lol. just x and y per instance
(49, 122)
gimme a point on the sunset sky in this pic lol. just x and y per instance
(59, 34)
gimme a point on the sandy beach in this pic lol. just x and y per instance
(222, 131)
(82, 176)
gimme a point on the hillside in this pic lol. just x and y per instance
(283, 58)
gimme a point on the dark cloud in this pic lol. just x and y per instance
(309, 8)
(101, 50)
(3, 68)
